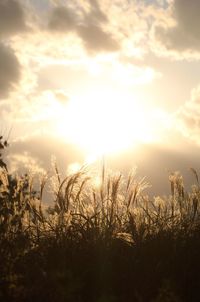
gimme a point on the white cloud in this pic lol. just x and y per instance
(42, 107)
(25, 163)
(188, 117)
(130, 74)
(34, 153)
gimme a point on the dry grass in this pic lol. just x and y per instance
(113, 223)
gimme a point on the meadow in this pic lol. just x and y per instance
(98, 243)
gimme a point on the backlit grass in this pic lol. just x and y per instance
(98, 242)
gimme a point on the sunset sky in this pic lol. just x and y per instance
(82, 79)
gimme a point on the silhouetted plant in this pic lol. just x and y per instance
(106, 242)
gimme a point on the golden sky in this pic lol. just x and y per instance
(81, 79)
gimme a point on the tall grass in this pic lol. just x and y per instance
(105, 242)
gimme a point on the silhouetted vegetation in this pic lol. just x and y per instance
(102, 243)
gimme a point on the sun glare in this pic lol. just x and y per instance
(104, 122)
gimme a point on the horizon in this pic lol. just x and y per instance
(84, 79)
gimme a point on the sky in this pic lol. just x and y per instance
(86, 79)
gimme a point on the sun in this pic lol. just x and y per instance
(103, 122)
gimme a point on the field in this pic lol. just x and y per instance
(105, 242)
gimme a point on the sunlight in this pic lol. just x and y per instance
(74, 168)
(104, 122)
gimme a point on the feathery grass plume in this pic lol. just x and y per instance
(109, 240)
(195, 174)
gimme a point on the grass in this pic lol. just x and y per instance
(105, 242)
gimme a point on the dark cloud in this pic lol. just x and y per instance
(35, 154)
(155, 162)
(187, 14)
(62, 19)
(184, 36)
(95, 39)
(9, 70)
(12, 17)
(96, 14)
(41, 149)
(12, 21)
(88, 28)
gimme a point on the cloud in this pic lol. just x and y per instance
(9, 70)
(155, 162)
(12, 18)
(180, 31)
(37, 156)
(86, 26)
(45, 107)
(35, 153)
(188, 117)
(12, 21)
(95, 39)
(96, 14)
(96, 73)
(61, 96)
(24, 153)
(24, 163)
(62, 19)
